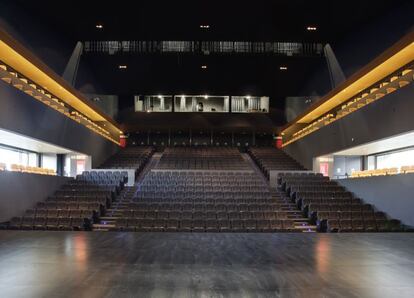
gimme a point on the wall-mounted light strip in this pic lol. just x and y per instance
(360, 89)
(25, 71)
(394, 58)
(17, 80)
(397, 80)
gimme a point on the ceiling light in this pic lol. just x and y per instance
(248, 97)
(203, 66)
(311, 28)
(283, 67)
(205, 96)
(99, 26)
(122, 66)
(160, 96)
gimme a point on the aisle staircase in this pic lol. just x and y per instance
(301, 223)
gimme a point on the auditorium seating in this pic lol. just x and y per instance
(209, 158)
(378, 172)
(31, 170)
(107, 178)
(407, 169)
(222, 139)
(204, 201)
(76, 205)
(269, 159)
(129, 158)
(331, 206)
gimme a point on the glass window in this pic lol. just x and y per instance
(9, 156)
(396, 159)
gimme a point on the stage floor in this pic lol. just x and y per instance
(105, 264)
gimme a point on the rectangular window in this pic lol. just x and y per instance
(396, 159)
(10, 155)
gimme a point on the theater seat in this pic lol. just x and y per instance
(199, 225)
(15, 223)
(358, 225)
(52, 223)
(224, 225)
(346, 225)
(211, 225)
(276, 225)
(172, 225)
(333, 225)
(27, 223)
(263, 225)
(289, 225)
(237, 225)
(132, 224)
(185, 225)
(250, 225)
(370, 225)
(65, 223)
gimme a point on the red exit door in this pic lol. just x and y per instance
(324, 168)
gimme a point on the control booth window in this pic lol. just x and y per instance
(249, 104)
(153, 103)
(201, 103)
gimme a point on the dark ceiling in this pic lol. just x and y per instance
(229, 20)
(281, 20)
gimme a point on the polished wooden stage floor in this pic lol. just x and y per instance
(81, 264)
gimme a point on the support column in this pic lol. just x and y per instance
(182, 104)
(162, 103)
(335, 71)
(71, 69)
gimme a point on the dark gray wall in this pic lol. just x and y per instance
(355, 50)
(295, 105)
(21, 191)
(389, 116)
(391, 194)
(49, 44)
(23, 114)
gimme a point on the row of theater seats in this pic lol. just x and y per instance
(383, 172)
(205, 225)
(202, 185)
(269, 159)
(378, 172)
(221, 212)
(75, 206)
(210, 158)
(331, 206)
(107, 178)
(50, 223)
(129, 158)
(210, 206)
(204, 189)
(28, 169)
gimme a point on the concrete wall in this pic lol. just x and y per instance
(389, 116)
(21, 191)
(25, 115)
(391, 194)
